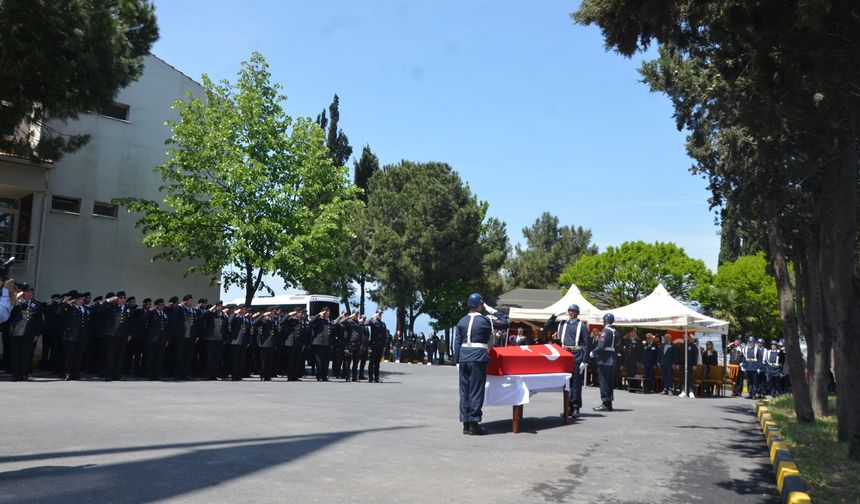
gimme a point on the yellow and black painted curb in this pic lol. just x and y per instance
(791, 487)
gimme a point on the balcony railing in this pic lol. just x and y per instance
(24, 267)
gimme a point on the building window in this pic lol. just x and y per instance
(116, 111)
(105, 209)
(67, 205)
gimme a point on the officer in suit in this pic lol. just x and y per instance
(321, 328)
(214, 324)
(471, 345)
(157, 336)
(378, 340)
(573, 335)
(650, 358)
(75, 333)
(24, 327)
(265, 344)
(115, 318)
(240, 331)
(607, 360)
(667, 361)
(138, 334)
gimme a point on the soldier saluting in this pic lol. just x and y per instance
(378, 340)
(573, 335)
(471, 346)
(606, 357)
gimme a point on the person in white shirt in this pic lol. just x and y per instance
(8, 298)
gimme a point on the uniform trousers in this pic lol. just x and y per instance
(114, 352)
(473, 378)
(19, 359)
(355, 358)
(690, 377)
(576, 380)
(154, 360)
(375, 358)
(362, 361)
(237, 360)
(606, 378)
(668, 379)
(213, 358)
(294, 362)
(752, 383)
(321, 356)
(267, 364)
(74, 354)
(183, 356)
(649, 377)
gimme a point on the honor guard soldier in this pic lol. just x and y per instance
(750, 360)
(292, 329)
(735, 353)
(773, 369)
(321, 328)
(214, 326)
(364, 347)
(378, 340)
(240, 326)
(573, 335)
(183, 341)
(75, 318)
(604, 353)
(115, 318)
(471, 345)
(157, 327)
(25, 325)
(266, 344)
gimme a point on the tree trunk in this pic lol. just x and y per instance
(250, 283)
(361, 281)
(788, 316)
(838, 233)
(401, 319)
(818, 342)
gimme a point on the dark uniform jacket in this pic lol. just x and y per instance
(53, 318)
(650, 354)
(157, 326)
(568, 337)
(75, 319)
(292, 330)
(322, 329)
(26, 319)
(667, 354)
(468, 344)
(115, 320)
(607, 346)
(752, 358)
(188, 325)
(214, 325)
(240, 330)
(265, 332)
(378, 333)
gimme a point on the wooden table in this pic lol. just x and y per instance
(516, 391)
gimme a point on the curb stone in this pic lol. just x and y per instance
(788, 482)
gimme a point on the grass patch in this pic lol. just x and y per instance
(822, 460)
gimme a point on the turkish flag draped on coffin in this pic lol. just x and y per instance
(529, 359)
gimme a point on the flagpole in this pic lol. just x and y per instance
(686, 357)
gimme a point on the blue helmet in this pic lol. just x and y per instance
(751, 339)
(760, 340)
(608, 318)
(573, 307)
(475, 300)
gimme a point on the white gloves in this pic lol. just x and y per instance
(582, 367)
(490, 309)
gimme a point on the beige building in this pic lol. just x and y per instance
(57, 219)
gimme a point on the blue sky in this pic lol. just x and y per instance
(529, 108)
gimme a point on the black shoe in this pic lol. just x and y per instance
(602, 407)
(67, 378)
(465, 427)
(475, 429)
(575, 413)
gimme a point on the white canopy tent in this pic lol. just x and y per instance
(659, 310)
(587, 311)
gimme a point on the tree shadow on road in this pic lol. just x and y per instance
(200, 466)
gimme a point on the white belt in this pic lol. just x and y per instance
(609, 349)
(568, 347)
(475, 345)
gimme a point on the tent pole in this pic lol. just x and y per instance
(686, 358)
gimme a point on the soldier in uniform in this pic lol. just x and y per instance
(667, 362)
(266, 344)
(349, 343)
(115, 318)
(735, 352)
(432, 348)
(397, 344)
(157, 327)
(650, 358)
(291, 326)
(183, 340)
(631, 349)
(471, 346)
(573, 335)
(364, 347)
(240, 326)
(409, 347)
(378, 340)
(688, 374)
(604, 353)
(214, 323)
(138, 335)
(75, 333)
(174, 323)
(773, 369)
(321, 328)
(750, 361)
(50, 334)
(25, 326)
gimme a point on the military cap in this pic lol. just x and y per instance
(187, 297)
(159, 301)
(174, 299)
(147, 300)
(120, 293)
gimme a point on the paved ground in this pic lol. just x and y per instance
(397, 441)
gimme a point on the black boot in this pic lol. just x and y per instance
(475, 429)
(606, 406)
(465, 427)
(575, 413)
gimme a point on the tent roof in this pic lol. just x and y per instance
(587, 311)
(660, 310)
(528, 298)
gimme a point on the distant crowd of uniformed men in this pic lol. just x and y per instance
(114, 335)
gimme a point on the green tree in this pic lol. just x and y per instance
(424, 228)
(336, 140)
(768, 93)
(248, 188)
(621, 275)
(549, 248)
(744, 293)
(62, 58)
(366, 166)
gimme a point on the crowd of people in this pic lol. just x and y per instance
(114, 336)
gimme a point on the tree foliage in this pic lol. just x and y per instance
(744, 293)
(61, 58)
(549, 249)
(248, 188)
(336, 140)
(424, 229)
(622, 275)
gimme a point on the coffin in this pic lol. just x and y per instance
(529, 359)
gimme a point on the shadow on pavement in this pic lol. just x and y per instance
(528, 425)
(158, 478)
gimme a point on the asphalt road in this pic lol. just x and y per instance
(398, 441)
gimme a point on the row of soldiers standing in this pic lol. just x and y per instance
(114, 335)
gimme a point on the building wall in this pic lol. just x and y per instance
(101, 254)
